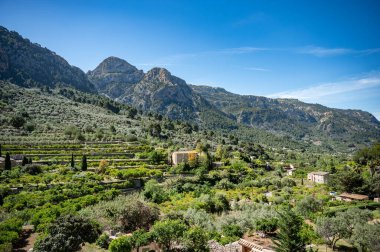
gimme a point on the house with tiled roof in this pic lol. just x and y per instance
(352, 197)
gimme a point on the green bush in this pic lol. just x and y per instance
(17, 121)
(131, 138)
(103, 241)
(67, 233)
(122, 244)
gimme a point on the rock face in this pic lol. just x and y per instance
(29, 65)
(157, 90)
(162, 92)
(114, 75)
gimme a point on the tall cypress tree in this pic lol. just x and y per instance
(24, 161)
(8, 164)
(289, 238)
(84, 163)
(72, 160)
(0, 150)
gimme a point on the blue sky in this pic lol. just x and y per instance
(325, 52)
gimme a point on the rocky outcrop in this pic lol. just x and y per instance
(113, 75)
(162, 92)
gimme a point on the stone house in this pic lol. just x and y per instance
(351, 197)
(318, 177)
(289, 169)
(183, 156)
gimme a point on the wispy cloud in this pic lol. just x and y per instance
(371, 51)
(317, 51)
(258, 69)
(176, 59)
(329, 52)
(240, 50)
(314, 93)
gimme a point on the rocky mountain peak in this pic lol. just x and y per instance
(113, 75)
(114, 65)
(162, 75)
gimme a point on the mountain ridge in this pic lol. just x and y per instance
(161, 92)
(30, 65)
(158, 91)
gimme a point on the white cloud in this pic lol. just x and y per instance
(176, 59)
(259, 69)
(314, 93)
(329, 52)
(241, 50)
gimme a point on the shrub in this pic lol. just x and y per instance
(154, 192)
(138, 215)
(122, 244)
(67, 233)
(168, 232)
(195, 240)
(30, 127)
(266, 225)
(17, 121)
(103, 241)
(32, 169)
(232, 231)
(131, 138)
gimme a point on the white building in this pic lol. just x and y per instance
(183, 156)
(289, 169)
(318, 177)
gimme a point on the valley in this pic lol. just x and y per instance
(122, 160)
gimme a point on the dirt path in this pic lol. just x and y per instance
(26, 242)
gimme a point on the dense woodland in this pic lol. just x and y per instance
(91, 168)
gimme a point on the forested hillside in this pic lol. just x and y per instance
(166, 166)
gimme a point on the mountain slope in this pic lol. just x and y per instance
(113, 75)
(156, 91)
(30, 65)
(27, 64)
(292, 117)
(159, 91)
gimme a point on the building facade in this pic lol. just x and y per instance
(318, 177)
(183, 157)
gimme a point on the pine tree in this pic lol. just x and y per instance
(84, 163)
(24, 161)
(8, 164)
(72, 160)
(289, 238)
